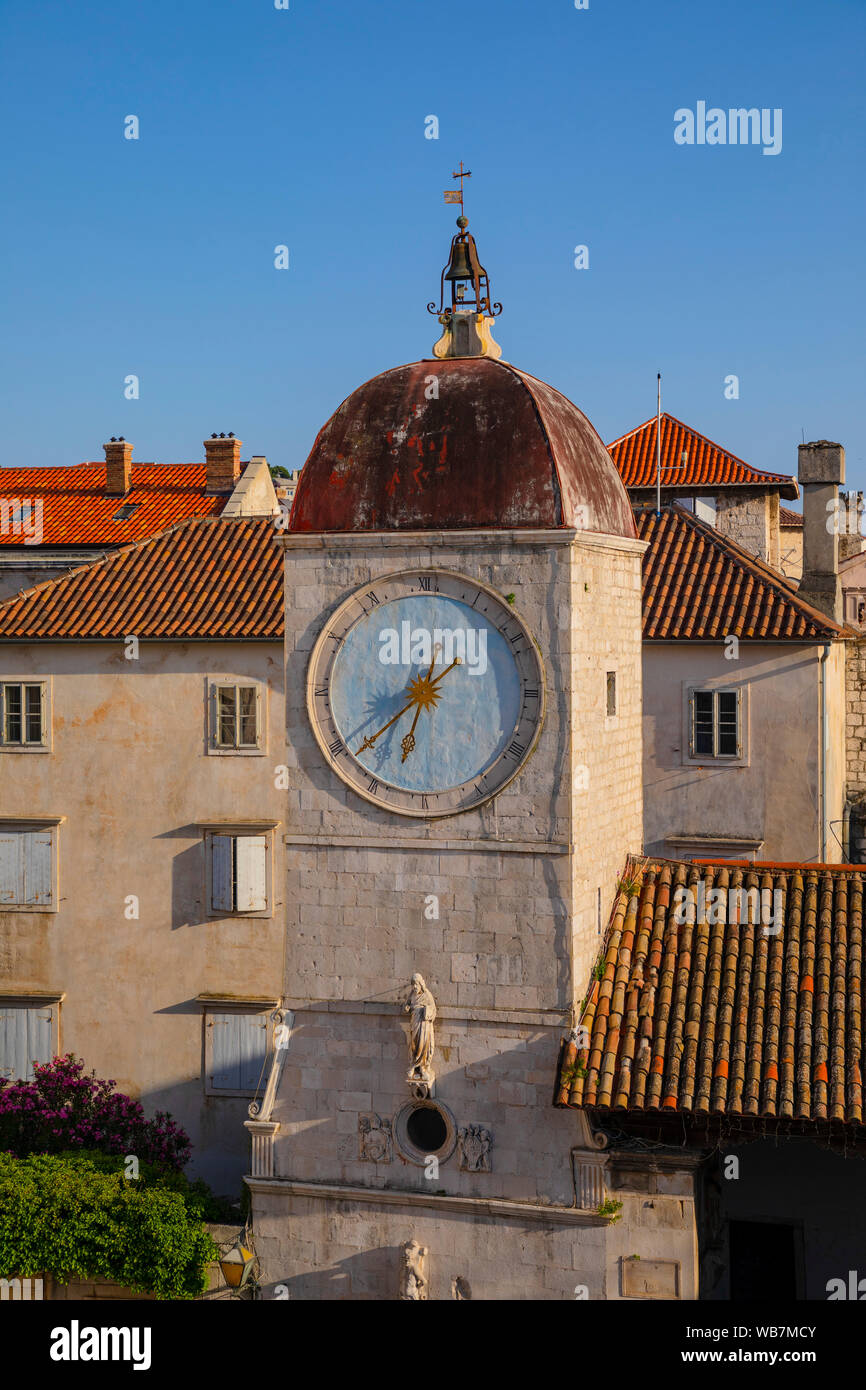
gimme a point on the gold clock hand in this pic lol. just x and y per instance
(368, 742)
(409, 741)
(427, 696)
(455, 662)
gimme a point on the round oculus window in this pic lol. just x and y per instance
(426, 1129)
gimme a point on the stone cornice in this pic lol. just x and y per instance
(458, 540)
(499, 1207)
(432, 843)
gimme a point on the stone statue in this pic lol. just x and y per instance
(421, 1008)
(473, 1149)
(413, 1280)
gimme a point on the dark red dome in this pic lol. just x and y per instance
(455, 444)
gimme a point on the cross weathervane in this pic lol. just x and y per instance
(452, 195)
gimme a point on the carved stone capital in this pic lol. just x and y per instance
(262, 1133)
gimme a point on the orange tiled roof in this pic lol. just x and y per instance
(789, 518)
(77, 511)
(700, 586)
(707, 464)
(727, 1020)
(219, 579)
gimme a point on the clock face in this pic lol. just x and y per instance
(426, 692)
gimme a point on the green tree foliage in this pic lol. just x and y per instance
(77, 1216)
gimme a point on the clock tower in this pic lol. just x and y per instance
(463, 706)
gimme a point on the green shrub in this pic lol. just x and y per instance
(77, 1216)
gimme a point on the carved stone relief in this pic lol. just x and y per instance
(473, 1149)
(374, 1138)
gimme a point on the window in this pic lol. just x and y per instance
(236, 1050)
(611, 693)
(236, 717)
(239, 873)
(715, 724)
(125, 511)
(27, 863)
(27, 1035)
(422, 1128)
(704, 508)
(22, 714)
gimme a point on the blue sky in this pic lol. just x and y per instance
(305, 127)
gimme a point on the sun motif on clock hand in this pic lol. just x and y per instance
(424, 693)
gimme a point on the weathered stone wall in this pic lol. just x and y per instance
(321, 1246)
(128, 771)
(855, 745)
(752, 520)
(791, 552)
(773, 795)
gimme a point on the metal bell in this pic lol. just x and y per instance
(459, 266)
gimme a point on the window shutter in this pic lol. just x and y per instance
(739, 722)
(692, 753)
(221, 873)
(254, 1049)
(225, 1065)
(25, 1038)
(37, 868)
(238, 1050)
(10, 866)
(251, 873)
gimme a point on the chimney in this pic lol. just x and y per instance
(223, 455)
(118, 467)
(821, 470)
(850, 524)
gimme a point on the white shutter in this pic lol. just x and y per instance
(37, 846)
(221, 873)
(253, 1050)
(26, 1036)
(10, 867)
(251, 873)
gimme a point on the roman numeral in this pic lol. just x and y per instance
(321, 690)
(336, 748)
(531, 692)
(428, 584)
(424, 804)
(374, 602)
(515, 750)
(335, 637)
(372, 785)
(515, 640)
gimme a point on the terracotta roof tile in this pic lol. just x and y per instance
(707, 464)
(722, 1017)
(203, 579)
(77, 511)
(789, 518)
(700, 586)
